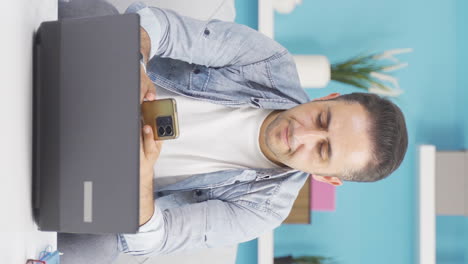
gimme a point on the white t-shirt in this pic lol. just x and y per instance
(212, 137)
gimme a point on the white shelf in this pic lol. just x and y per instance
(427, 205)
(266, 248)
(266, 17)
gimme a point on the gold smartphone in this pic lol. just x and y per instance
(161, 115)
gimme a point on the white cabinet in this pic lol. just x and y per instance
(451, 183)
(442, 190)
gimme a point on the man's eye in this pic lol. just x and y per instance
(319, 120)
(321, 150)
(324, 121)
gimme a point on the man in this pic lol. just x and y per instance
(249, 138)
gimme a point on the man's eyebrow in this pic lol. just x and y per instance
(329, 116)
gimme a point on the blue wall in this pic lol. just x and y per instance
(375, 223)
(452, 232)
(462, 59)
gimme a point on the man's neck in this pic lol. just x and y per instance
(262, 137)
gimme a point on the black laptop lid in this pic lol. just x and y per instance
(88, 126)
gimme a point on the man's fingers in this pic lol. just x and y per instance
(150, 148)
(150, 96)
(151, 91)
(142, 153)
(147, 88)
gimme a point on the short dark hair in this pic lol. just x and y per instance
(388, 135)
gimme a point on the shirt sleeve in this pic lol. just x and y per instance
(212, 223)
(212, 43)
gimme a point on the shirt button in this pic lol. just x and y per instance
(196, 71)
(198, 192)
(206, 32)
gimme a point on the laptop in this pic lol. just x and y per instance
(86, 122)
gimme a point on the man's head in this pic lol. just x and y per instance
(353, 137)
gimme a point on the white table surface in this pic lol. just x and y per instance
(20, 238)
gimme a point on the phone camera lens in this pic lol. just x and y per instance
(161, 131)
(169, 130)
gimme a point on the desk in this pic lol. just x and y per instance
(20, 238)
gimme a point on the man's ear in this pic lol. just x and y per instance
(328, 179)
(328, 97)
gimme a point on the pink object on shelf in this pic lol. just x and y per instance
(322, 196)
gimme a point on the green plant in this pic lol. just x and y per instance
(367, 72)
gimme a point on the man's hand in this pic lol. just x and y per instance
(149, 153)
(149, 148)
(145, 45)
(147, 88)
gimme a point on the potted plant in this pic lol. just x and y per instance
(369, 72)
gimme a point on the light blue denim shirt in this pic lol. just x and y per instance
(230, 64)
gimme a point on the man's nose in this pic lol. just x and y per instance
(309, 137)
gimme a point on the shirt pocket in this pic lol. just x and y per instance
(177, 199)
(199, 77)
(260, 193)
(259, 76)
(233, 192)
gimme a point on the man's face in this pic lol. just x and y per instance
(324, 138)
